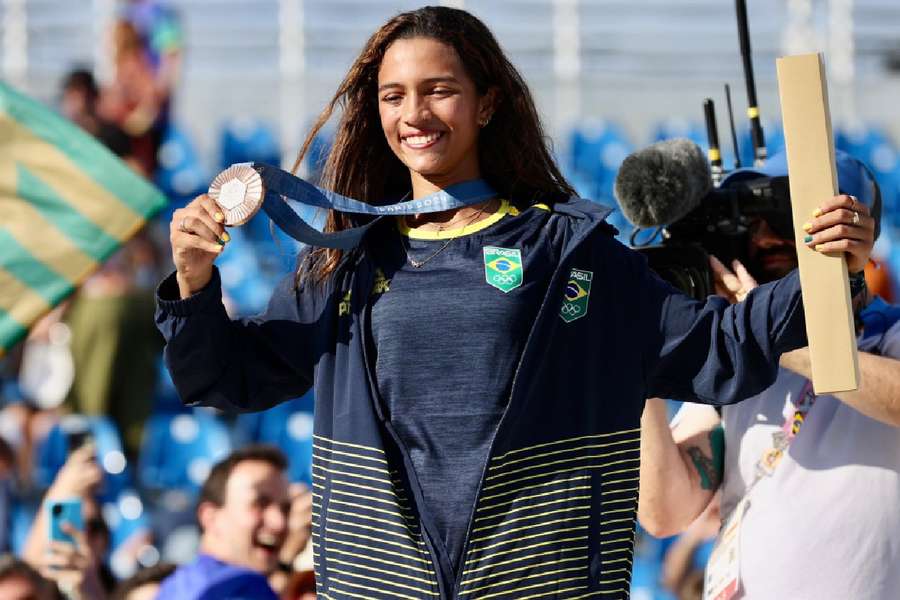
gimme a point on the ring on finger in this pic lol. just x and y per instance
(855, 218)
(182, 227)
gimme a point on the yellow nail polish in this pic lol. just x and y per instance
(219, 217)
(817, 213)
(807, 226)
(226, 237)
(819, 247)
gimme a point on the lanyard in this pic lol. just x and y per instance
(282, 187)
(770, 458)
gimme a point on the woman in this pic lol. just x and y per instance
(479, 373)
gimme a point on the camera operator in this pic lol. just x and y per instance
(810, 483)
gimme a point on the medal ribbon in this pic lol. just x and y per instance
(281, 187)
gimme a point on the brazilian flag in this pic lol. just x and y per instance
(66, 204)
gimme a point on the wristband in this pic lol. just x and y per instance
(857, 283)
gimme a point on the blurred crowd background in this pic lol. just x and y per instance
(183, 88)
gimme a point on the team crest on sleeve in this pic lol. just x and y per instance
(503, 268)
(577, 294)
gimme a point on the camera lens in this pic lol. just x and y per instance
(57, 509)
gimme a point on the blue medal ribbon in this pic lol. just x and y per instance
(282, 186)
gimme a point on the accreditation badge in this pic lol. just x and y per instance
(722, 580)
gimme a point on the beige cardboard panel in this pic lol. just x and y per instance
(813, 179)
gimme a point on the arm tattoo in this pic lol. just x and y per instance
(710, 468)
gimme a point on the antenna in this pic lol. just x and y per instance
(756, 132)
(712, 135)
(737, 150)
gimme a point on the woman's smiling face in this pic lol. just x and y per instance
(430, 110)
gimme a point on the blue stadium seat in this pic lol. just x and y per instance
(178, 450)
(873, 146)
(774, 136)
(289, 426)
(597, 146)
(21, 517)
(248, 140)
(165, 396)
(882, 158)
(181, 175)
(318, 153)
(682, 128)
(129, 523)
(243, 281)
(864, 142)
(52, 451)
(596, 150)
(587, 142)
(893, 263)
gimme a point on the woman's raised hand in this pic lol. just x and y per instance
(842, 224)
(197, 237)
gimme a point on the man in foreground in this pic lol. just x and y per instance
(244, 510)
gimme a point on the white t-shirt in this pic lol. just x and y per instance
(826, 523)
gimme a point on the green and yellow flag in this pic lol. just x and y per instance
(66, 204)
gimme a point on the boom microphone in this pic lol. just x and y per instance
(662, 183)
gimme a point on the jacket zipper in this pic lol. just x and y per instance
(526, 351)
(376, 400)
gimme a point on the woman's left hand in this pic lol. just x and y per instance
(842, 224)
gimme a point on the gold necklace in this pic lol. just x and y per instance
(417, 264)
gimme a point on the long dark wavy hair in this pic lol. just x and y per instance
(513, 153)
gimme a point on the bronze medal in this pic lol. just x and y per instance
(239, 192)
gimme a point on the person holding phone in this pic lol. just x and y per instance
(65, 543)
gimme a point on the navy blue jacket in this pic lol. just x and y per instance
(555, 513)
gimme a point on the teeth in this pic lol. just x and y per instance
(419, 140)
(266, 539)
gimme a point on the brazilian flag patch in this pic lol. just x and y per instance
(577, 294)
(503, 268)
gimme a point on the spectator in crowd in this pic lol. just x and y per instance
(114, 345)
(144, 585)
(23, 423)
(244, 513)
(147, 51)
(812, 483)
(79, 103)
(294, 557)
(7, 478)
(75, 567)
(19, 581)
(160, 31)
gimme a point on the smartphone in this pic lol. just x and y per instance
(64, 511)
(79, 438)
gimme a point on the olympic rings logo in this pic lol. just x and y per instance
(503, 278)
(571, 310)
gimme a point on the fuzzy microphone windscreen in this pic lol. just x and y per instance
(662, 183)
